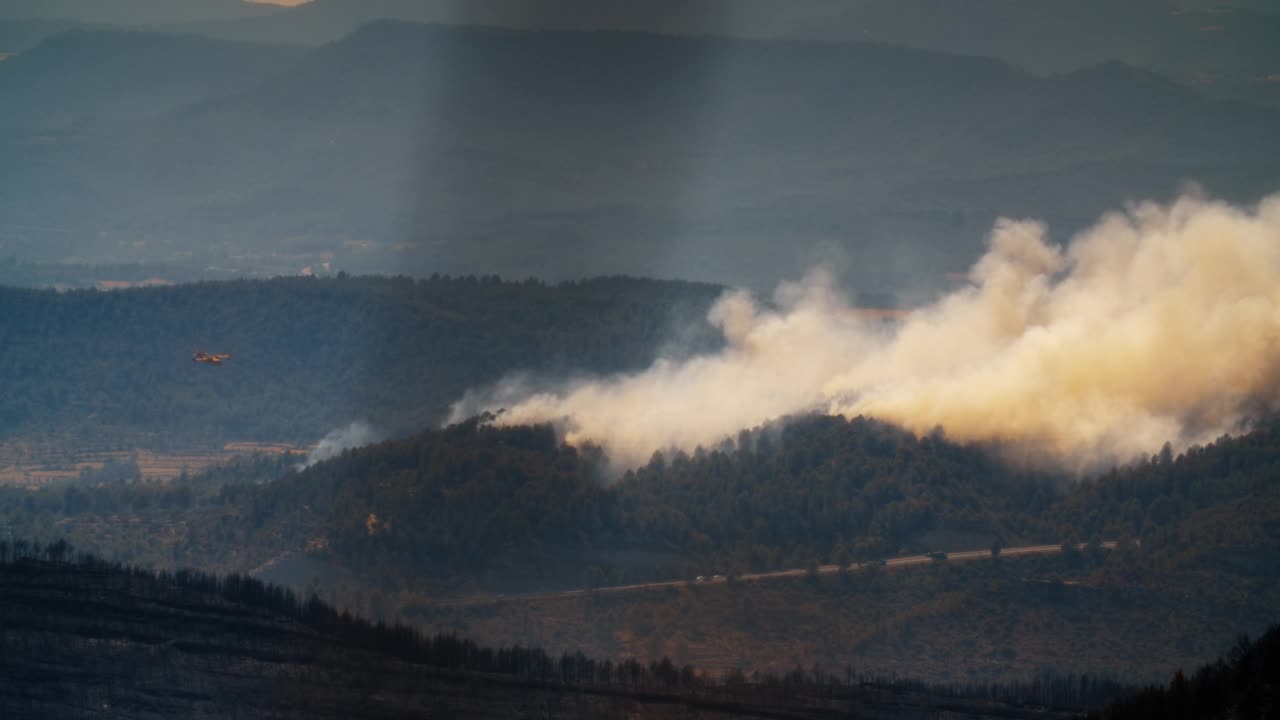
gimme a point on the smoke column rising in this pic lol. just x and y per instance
(336, 441)
(1161, 323)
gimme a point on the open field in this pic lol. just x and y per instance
(32, 467)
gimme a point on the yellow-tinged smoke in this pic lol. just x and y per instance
(1158, 324)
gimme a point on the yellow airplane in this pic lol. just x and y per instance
(202, 357)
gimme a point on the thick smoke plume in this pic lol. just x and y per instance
(336, 441)
(1159, 324)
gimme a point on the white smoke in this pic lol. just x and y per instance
(1161, 323)
(333, 444)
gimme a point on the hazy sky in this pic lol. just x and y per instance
(782, 15)
(1197, 4)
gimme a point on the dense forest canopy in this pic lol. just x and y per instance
(477, 499)
(514, 503)
(396, 529)
(313, 354)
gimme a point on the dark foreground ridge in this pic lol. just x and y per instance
(1244, 684)
(80, 637)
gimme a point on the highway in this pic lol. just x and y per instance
(959, 556)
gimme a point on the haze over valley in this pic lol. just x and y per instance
(435, 149)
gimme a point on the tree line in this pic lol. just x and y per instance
(473, 500)
(57, 565)
(1244, 684)
(113, 368)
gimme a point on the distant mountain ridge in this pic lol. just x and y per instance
(1228, 49)
(1234, 57)
(93, 77)
(20, 35)
(438, 148)
(133, 12)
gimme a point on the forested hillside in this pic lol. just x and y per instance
(517, 507)
(1211, 509)
(310, 355)
(83, 638)
(1244, 684)
(474, 500)
(407, 527)
(509, 501)
(333, 382)
(811, 489)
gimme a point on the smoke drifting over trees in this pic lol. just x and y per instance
(338, 440)
(1098, 351)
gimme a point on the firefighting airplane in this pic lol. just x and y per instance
(202, 357)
